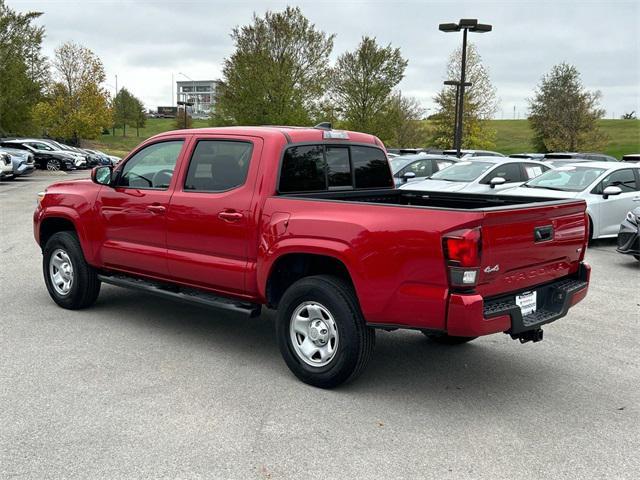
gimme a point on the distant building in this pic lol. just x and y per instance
(199, 92)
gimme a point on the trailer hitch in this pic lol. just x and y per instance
(529, 336)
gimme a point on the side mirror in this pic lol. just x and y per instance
(102, 175)
(408, 176)
(495, 181)
(611, 190)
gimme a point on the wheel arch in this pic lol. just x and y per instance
(293, 266)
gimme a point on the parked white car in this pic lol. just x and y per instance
(412, 168)
(610, 189)
(481, 175)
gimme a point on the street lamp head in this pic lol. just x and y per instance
(449, 27)
(468, 22)
(482, 28)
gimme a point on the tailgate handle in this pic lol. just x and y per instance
(543, 234)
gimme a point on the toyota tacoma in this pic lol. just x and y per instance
(307, 221)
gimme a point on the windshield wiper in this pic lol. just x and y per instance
(546, 188)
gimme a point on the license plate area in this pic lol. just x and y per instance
(528, 302)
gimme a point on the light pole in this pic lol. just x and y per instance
(455, 122)
(471, 25)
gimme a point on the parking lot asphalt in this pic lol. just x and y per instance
(140, 387)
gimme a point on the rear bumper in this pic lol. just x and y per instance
(473, 316)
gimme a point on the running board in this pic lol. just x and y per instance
(190, 295)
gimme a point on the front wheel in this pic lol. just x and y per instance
(444, 339)
(321, 332)
(72, 283)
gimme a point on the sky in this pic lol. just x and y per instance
(146, 43)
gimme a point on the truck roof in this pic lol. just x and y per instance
(291, 134)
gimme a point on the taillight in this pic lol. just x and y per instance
(462, 251)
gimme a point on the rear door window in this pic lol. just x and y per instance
(303, 169)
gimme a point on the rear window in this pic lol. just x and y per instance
(371, 168)
(312, 168)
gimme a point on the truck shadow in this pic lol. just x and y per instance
(405, 363)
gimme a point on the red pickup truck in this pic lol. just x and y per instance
(307, 221)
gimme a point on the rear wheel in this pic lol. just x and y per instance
(72, 283)
(444, 339)
(53, 165)
(321, 332)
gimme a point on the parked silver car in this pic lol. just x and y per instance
(610, 189)
(411, 168)
(481, 175)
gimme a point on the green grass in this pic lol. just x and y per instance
(512, 136)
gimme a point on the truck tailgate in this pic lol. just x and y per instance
(531, 245)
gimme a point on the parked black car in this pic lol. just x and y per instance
(629, 234)
(44, 159)
(632, 157)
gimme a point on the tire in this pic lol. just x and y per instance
(53, 165)
(76, 290)
(444, 339)
(333, 302)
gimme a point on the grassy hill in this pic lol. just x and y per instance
(512, 136)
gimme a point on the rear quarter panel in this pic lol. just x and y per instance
(393, 254)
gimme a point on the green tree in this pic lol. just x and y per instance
(362, 85)
(140, 116)
(480, 104)
(277, 73)
(76, 105)
(128, 110)
(563, 114)
(23, 69)
(404, 122)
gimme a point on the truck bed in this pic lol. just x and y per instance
(436, 200)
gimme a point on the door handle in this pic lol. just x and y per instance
(158, 209)
(636, 199)
(230, 216)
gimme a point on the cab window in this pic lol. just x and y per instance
(152, 167)
(218, 165)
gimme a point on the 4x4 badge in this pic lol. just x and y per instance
(495, 268)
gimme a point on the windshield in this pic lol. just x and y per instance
(566, 179)
(463, 171)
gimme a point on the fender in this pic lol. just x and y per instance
(301, 245)
(66, 213)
